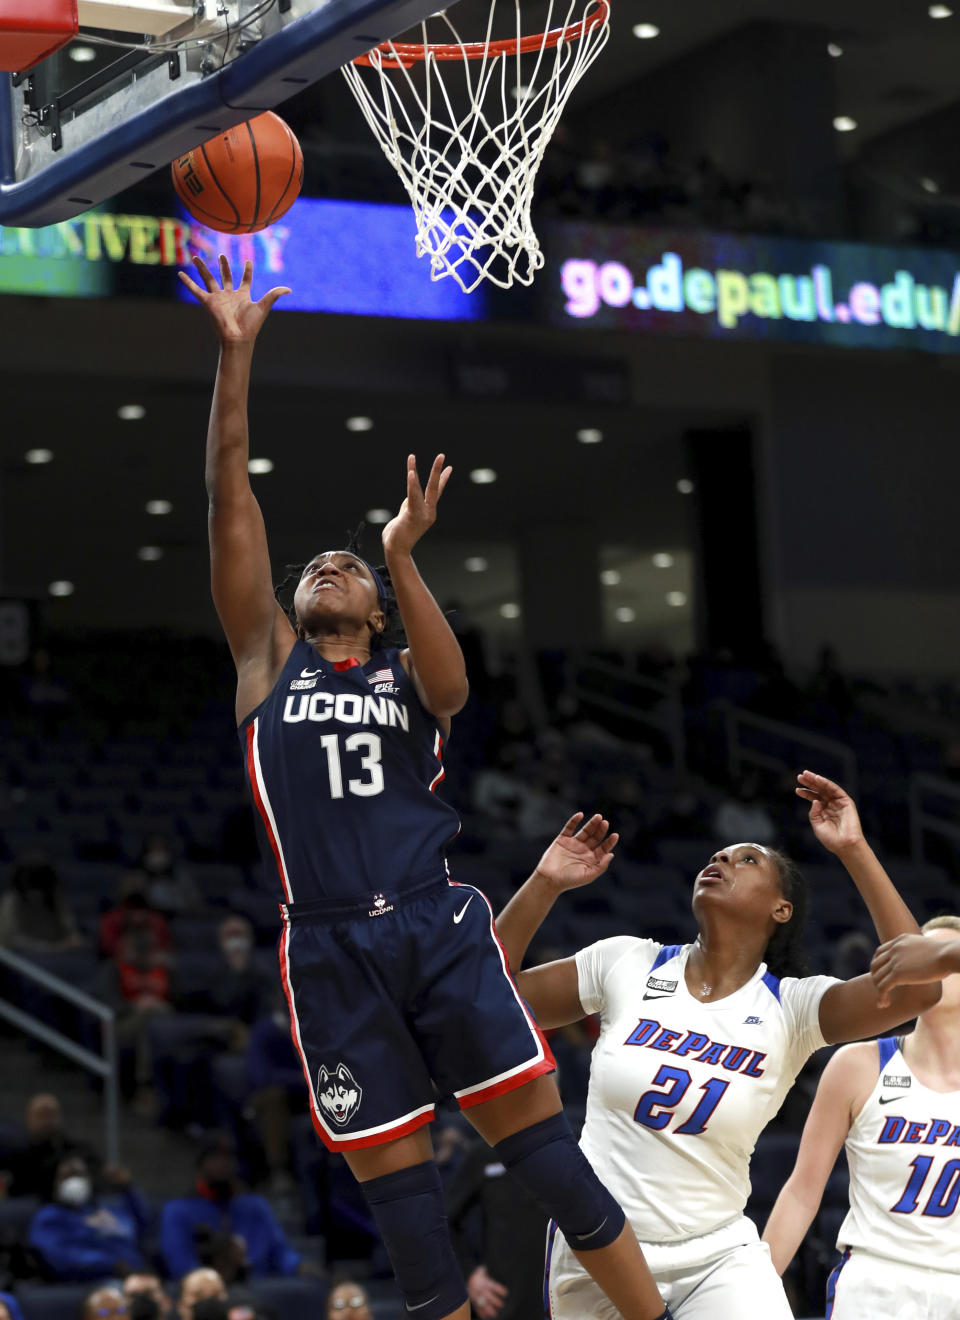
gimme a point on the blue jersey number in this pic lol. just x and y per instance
(942, 1201)
(677, 1082)
(370, 747)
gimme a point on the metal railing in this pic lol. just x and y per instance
(775, 735)
(923, 821)
(664, 716)
(102, 1065)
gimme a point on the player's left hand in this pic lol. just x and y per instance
(833, 816)
(418, 512)
(578, 855)
(907, 960)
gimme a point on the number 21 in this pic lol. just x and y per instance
(677, 1082)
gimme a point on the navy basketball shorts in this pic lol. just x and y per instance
(398, 1000)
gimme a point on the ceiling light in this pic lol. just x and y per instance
(61, 588)
(476, 564)
(259, 466)
(663, 560)
(624, 614)
(359, 423)
(377, 516)
(82, 54)
(834, 50)
(150, 553)
(39, 455)
(159, 507)
(510, 610)
(930, 185)
(940, 11)
(483, 476)
(844, 124)
(646, 31)
(676, 598)
(685, 486)
(610, 577)
(132, 412)
(589, 435)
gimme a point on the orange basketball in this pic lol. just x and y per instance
(244, 179)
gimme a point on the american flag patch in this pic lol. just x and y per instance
(381, 676)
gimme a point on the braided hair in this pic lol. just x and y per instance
(392, 634)
(785, 954)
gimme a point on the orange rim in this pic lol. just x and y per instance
(404, 54)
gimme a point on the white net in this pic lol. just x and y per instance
(468, 153)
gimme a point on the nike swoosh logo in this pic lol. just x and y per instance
(666, 996)
(458, 916)
(889, 1099)
(309, 673)
(420, 1305)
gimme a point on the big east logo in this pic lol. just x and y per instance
(338, 1094)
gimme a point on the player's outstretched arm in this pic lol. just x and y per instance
(578, 855)
(434, 658)
(912, 960)
(239, 558)
(851, 1010)
(845, 1084)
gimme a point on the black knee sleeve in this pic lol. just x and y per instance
(547, 1162)
(408, 1208)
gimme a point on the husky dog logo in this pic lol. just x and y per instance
(338, 1093)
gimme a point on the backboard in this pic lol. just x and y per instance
(192, 69)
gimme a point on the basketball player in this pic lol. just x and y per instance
(895, 1103)
(394, 977)
(699, 1045)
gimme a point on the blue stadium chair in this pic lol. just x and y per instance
(52, 1301)
(688, 855)
(15, 1215)
(195, 934)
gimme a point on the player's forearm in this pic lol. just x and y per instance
(789, 1221)
(888, 912)
(228, 441)
(434, 650)
(523, 916)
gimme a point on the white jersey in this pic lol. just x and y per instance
(679, 1089)
(903, 1150)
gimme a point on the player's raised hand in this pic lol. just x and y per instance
(418, 512)
(910, 960)
(833, 815)
(578, 855)
(236, 317)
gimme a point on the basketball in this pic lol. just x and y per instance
(244, 179)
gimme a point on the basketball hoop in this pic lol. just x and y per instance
(468, 157)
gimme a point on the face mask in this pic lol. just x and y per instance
(236, 944)
(75, 1190)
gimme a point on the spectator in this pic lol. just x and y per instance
(81, 1236)
(33, 1165)
(104, 1304)
(744, 818)
(131, 914)
(9, 1307)
(137, 985)
(197, 1286)
(348, 1301)
(34, 915)
(148, 1285)
(170, 888)
(218, 1205)
(277, 1090)
(504, 1272)
(237, 990)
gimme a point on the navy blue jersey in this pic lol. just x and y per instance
(342, 762)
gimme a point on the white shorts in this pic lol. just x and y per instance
(723, 1275)
(864, 1286)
